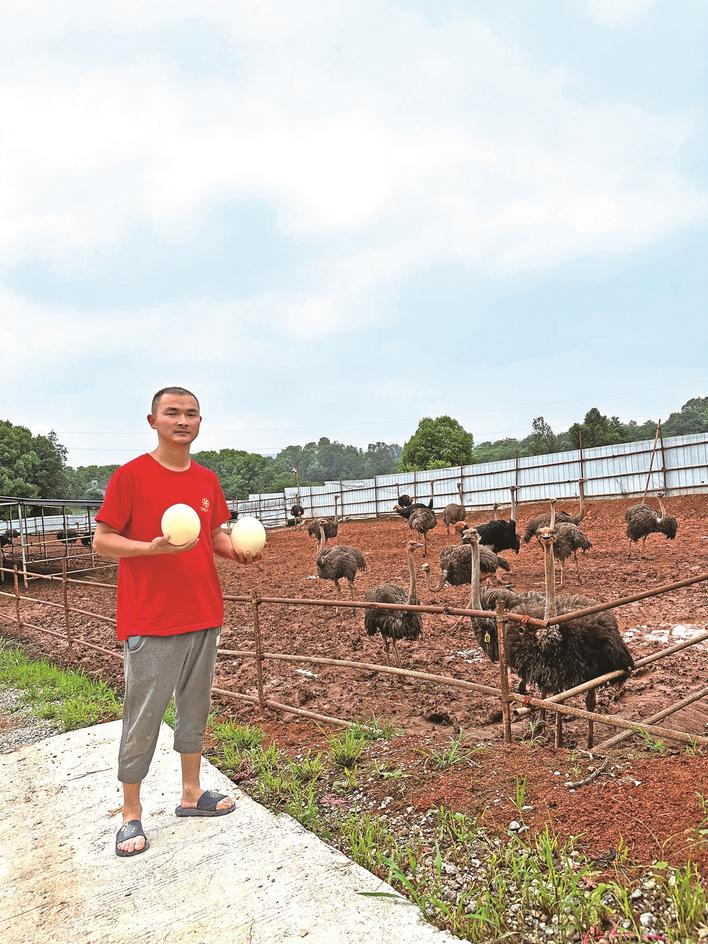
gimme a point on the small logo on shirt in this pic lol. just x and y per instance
(205, 504)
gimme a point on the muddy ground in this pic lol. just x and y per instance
(649, 797)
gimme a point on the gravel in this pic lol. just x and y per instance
(18, 725)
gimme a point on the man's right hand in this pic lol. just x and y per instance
(161, 545)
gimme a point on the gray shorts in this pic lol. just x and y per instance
(156, 667)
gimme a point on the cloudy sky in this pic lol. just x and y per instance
(333, 218)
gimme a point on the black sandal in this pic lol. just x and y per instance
(130, 830)
(206, 805)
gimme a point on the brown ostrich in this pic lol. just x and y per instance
(454, 513)
(643, 521)
(395, 624)
(330, 525)
(568, 539)
(339, 562)
(456, 565)
(423, 520)
(543, 521)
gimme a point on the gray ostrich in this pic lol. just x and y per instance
(330, 525)
(453, 512)
(568, 539)
(423, 520)
(395, 624)
(643, 521)
(554, 658)
(339, 562)
(456, 564)
(543, 521)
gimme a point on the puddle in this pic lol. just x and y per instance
(665, 632)
(470, 655)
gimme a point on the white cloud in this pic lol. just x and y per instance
(383, 141)
(617, 12)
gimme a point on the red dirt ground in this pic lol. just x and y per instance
(652, 817)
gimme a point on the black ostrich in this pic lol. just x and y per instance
(86, 540)
(70, 536)
(643, 521)
(395, 624)
(405, 511)
(500, 534)
(456, 564)
(453, 512)
(339, 563)
(330, 525)
(404, 500)
(543, 521)
(554, 658)
(297, 511)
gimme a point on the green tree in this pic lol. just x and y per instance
(542, 439)
(596, 429)
(436, 444)
(31, 466)
(692, 418)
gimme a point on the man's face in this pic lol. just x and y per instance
(176, 419)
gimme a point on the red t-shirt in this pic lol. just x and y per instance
(168, 593)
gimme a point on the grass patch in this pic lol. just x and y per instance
(346, 748)
(70, 698)
(454, 754)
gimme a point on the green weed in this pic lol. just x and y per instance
(346, 748)
(454, 754)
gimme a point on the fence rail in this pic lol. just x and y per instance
(506, 697)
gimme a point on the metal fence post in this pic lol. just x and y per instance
(663, 457)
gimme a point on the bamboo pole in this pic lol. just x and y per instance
(503, 675)
(651, 461)
(612, 720)
(289, 709)
(367, 666)
(259, 657)
(67, 624)
(16, 585)
(688, 700)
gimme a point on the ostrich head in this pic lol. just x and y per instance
(668, 526)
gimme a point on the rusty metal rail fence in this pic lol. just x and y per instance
(554, 703)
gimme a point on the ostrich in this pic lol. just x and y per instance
(404, 500)
(495, 512)
(86, 540)
(568, 539)
(405, 511)
(297, 511)
(338, 562)
(70, 536)
(423, 520)
(553, 658)
(542, 521)
(330, 525)
(454, 513)
(456, 565)
(395, 624)
(643, 521)
(499, 534)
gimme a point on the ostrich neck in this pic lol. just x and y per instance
(550, 575)
(321, 546)
(411, 573)
(475, 601)
(661, 505)
(461, 493)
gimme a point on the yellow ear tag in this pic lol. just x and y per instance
(487, 637)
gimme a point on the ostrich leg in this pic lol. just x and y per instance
(351, 589)
(395, 652)
(644, 547)
(425, 543)
(339, 596)
(629, 552)
(590, 699)
(385, 642)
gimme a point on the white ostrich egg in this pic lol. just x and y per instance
(248, 535)
(180, 523)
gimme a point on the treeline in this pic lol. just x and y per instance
(34, 466)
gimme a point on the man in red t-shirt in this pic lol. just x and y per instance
(169, 607)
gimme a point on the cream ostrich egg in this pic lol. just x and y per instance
(248, 535)
(180, 523)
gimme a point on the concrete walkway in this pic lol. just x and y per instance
(250, 876)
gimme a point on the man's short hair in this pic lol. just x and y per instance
(180, 391)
